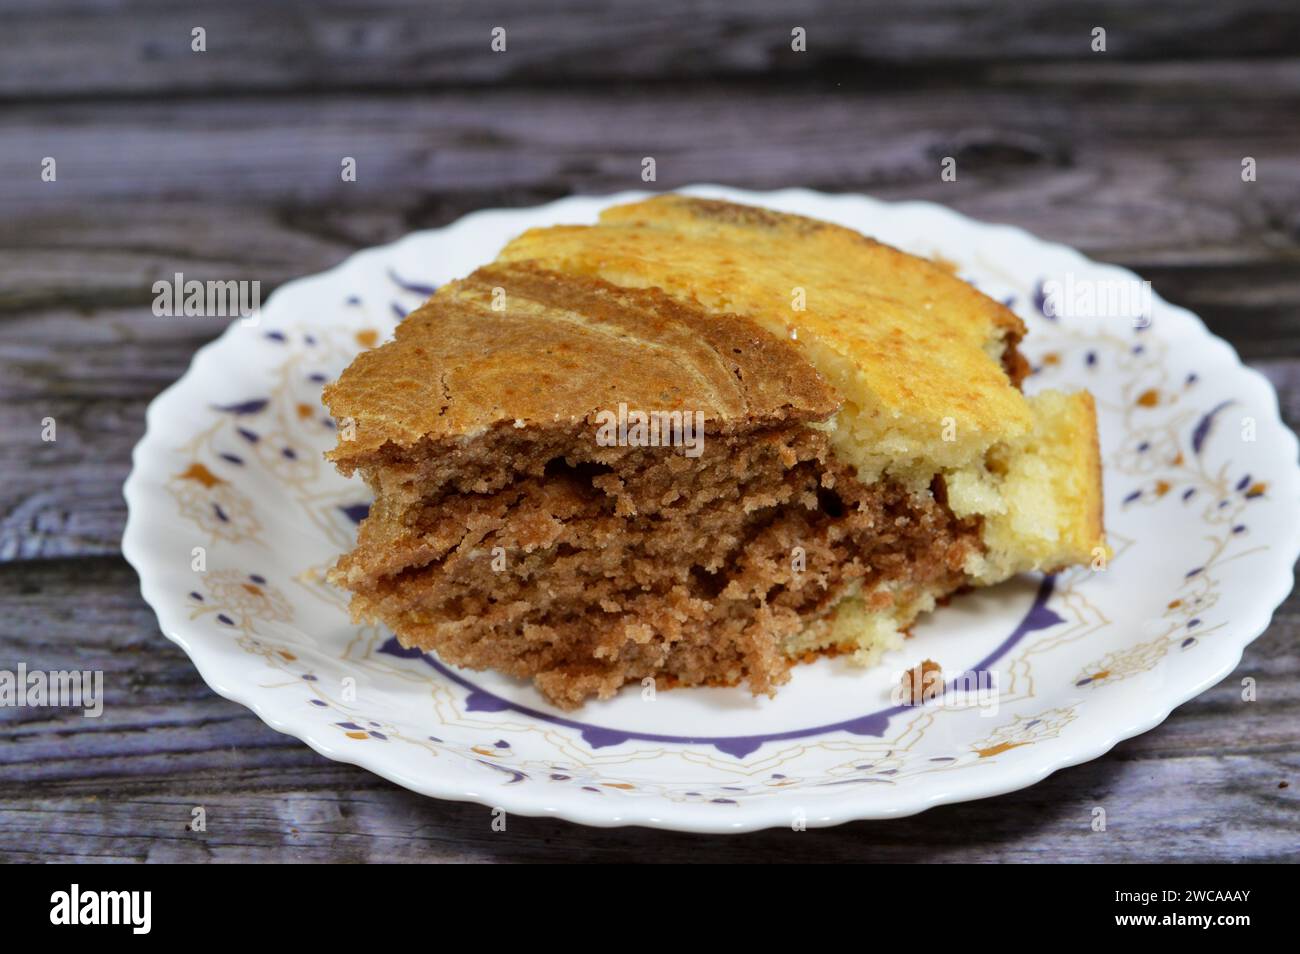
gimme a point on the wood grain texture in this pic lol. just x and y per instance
(62, 48)
(225, 165)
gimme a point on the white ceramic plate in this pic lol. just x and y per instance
(1202, 510)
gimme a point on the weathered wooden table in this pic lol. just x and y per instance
(225, 164)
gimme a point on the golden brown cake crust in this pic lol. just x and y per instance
(906, 344)
(911, 275)
(559, 349)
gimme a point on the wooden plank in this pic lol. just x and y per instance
(1230, 811)
(1204, 787)
(288, 150)
(1137, 172)
(101, 48)
(60, 257)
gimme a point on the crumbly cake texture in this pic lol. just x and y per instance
(863, 457)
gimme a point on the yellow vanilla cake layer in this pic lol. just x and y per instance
(1040, 501)
(1040, 496)
(914, 352)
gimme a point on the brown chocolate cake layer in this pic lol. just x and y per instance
(608, 565)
